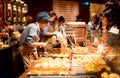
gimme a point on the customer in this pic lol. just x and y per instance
(94, 20)
(6, 32)
(28, 19)
(61, 34)
(92, 26)
(50, 30)
(79, 18)
(110, 19)
(61, 23)
(30, 37)
(7, 28)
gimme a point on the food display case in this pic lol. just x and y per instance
(76, 30)
(56, 68)
(71, 65)
(76, 61)
(13, 10)
(67, 65)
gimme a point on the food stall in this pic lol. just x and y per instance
(73, 65)
(73, 61)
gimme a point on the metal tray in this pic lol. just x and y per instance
(61, 76)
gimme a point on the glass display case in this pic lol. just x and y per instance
(13, 11)
(94, 60)
(19, 14)
(48, 67)
(72, 65)
(9, 12)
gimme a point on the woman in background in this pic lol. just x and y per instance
(50, 30)
(110, 30)
(93, 25)
(94, 21)
(61, 21)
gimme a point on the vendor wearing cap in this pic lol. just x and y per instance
(30, 37)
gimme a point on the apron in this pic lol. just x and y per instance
(27, 54)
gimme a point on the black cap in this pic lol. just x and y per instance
(42, 16)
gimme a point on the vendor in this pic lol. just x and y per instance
(31, 38)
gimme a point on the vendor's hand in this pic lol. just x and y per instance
(42, 44)
(35, 55)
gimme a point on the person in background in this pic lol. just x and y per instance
(6, 32)
(60, 36)
(110, 30)
(50, 30)
(94, 21)
(18, 27)
(92, 26)
(31, 37)
(61, 25)
(79, 18)
(7, 28)
(28, 19)
(61, 29)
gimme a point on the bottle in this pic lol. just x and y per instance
(7, 41)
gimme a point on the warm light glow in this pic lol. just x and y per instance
(18, 9)
(9, 6)
(18, 0)
(52, 65)
(22, 2)
(45, 64)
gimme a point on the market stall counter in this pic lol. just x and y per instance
(48, 67)
(8, 64)
(66, 64)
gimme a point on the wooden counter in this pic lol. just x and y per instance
(8, 61)
(52, 72)
(23, 75)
